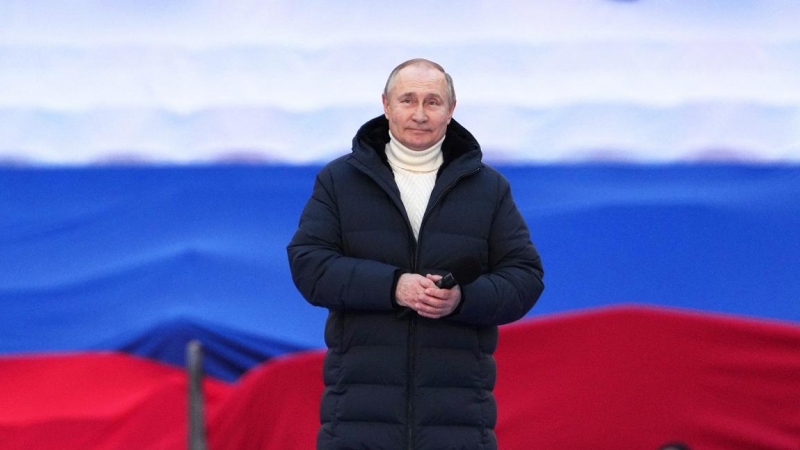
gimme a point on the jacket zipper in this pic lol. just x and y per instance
(412, 324)
(410, 391)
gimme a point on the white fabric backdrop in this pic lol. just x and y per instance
(289, 82)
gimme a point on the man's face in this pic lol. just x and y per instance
(418, 107)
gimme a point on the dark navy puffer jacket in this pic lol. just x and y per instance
(393, 379)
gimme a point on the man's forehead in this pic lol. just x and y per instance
(427, 83)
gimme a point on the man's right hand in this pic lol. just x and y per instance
(414, 291)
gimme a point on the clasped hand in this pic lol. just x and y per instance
(421, 294)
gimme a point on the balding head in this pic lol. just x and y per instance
(451, 92)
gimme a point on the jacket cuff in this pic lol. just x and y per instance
(392, 292)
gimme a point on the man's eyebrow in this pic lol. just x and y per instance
(429, 95)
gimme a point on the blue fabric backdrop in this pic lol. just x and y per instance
(144, 259)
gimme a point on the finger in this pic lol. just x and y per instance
(432, 301)
(428, 307)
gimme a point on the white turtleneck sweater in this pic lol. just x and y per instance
(415, 175)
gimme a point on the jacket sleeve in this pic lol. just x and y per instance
(321, 272)
(513, 282)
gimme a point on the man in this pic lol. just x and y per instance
(409, 365)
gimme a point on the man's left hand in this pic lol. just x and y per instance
(438, 303)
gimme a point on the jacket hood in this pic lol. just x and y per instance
(371, 139)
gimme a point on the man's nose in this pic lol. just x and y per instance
(419, 113)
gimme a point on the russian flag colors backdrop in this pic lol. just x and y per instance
(155, 157)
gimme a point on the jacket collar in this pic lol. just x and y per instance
(459, 145)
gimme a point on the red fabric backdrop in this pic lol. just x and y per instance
(624, 377)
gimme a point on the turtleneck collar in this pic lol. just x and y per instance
(427, 160)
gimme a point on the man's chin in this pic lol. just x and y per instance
(420, 147)
(419, 143)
